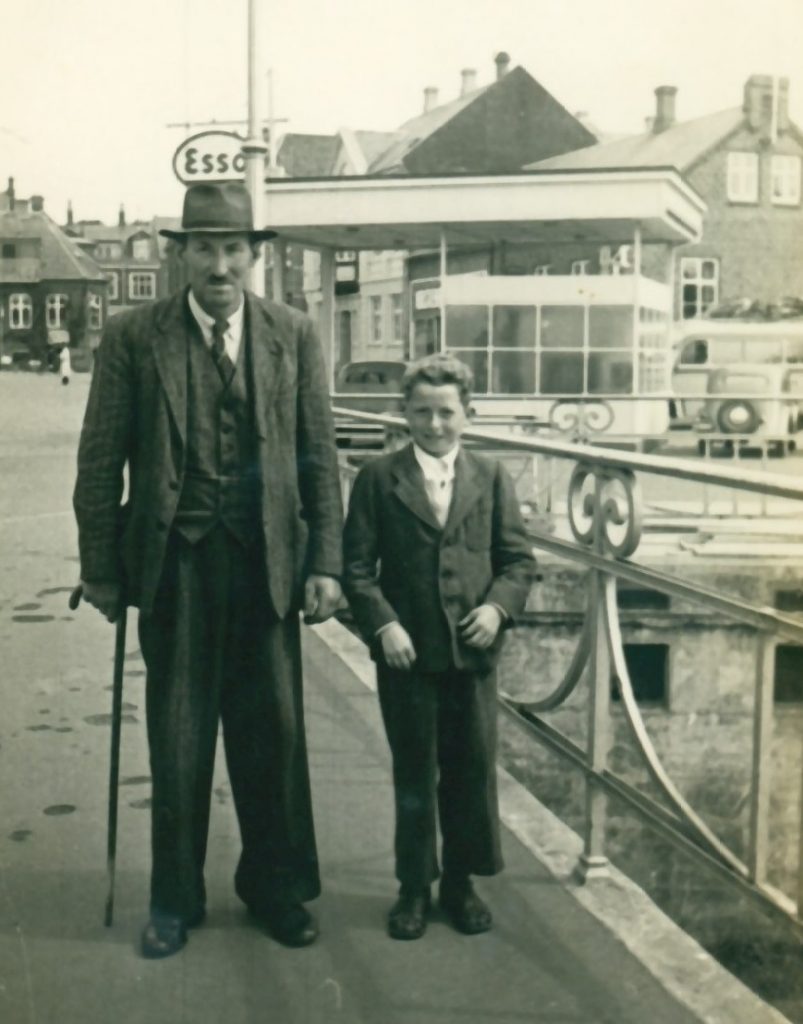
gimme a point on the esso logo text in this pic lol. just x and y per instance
(210, 156)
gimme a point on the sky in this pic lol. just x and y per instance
(89, 87)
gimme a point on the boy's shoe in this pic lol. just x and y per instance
(166, 934)
(408, 915)
(468, 912)
(288, 922)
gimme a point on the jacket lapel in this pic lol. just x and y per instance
(170, 354)
(466, 491)
(409, 487)
(267, 359)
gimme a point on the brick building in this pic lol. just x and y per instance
(51, 292)
(129, 255)
(493, 128)
(745, 162)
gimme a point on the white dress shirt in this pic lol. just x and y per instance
(234, 332)
(438, 473)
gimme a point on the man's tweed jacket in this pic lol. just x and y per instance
(137, 413)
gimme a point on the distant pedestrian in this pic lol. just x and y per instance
(65, 365)
(437, 564)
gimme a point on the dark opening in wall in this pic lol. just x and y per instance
(788, 674)
(648, 668)
(9, 250)
(630, 597)
(789, 600)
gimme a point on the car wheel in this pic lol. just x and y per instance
(738, 416)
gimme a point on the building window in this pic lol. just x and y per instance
(55, 310)
(95, 311)
(375, 314)
(142, 285)
(580, 266)
(700, 285)
(108, 251)
(785, 172)
(114, 285)
(141, 248)
(630, 598)
(397, 314)
(9, 251)
(743, 177)
(648, 668)
(20, 311)
(788, 674)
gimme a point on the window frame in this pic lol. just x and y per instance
(55, 301)
(742, 183)
(376, 325)
(20, 306)
(134, 291)
(94, 311)
(699, 282)
(789, 177)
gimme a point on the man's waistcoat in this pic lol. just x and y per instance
(221, 481)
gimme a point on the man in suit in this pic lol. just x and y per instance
(217, 404)
(437, 563)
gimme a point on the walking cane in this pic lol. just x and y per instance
(114, 760)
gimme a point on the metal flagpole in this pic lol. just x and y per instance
(254, 147)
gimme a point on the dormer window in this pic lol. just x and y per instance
(785, 173)
(743, 177)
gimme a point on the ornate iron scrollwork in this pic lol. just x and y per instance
(605, 509)
(580, 418)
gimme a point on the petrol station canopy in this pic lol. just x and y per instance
(551, 207)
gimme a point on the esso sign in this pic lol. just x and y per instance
(210, 156)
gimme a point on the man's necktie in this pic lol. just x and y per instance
(225, 367)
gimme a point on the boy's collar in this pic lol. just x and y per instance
(437, 462)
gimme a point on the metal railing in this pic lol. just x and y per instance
(606, 516)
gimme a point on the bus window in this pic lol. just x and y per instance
(561, 373)
(610, 327)
(467, 326)
(478, 361)
(722, 351)
(513, 373)
(514, 327)
(610, 373)
(694, 353)
(562, 327)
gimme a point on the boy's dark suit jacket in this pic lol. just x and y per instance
(401, 565)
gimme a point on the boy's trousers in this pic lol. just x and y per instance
(441, 727)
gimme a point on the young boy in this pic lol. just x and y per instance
(437, 563)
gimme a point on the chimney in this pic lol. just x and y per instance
(69, 213)
(468, 80)
(121, 216)
(430, 98)
(502, 61)
(664, 108)
(37, 203)
(10, 193)
(759, 99)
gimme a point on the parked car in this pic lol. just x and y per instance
(735, 410)
(372, 385)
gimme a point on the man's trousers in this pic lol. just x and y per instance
(441, 727)
(214, 651)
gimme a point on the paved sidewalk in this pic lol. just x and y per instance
(548, 960)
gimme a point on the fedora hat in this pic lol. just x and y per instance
(218, 208)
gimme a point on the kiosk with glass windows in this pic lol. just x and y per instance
(538, 344)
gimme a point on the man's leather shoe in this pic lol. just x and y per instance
(163, 935)
(288, 923)
(408, 916)
(468, 912)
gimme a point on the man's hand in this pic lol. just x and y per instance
(106, 597)
(480, 626)
(322, 596)
(397, 647)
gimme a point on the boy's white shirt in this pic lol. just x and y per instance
(438, 471)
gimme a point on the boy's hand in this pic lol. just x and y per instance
(480, 626)
(397, 647)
